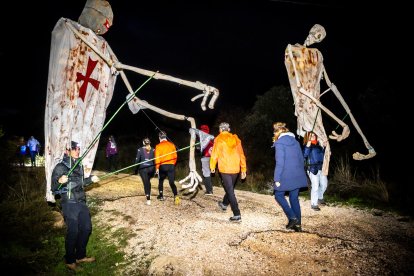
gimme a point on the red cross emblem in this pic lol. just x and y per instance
(87, 79)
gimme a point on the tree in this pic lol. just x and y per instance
(257, 132)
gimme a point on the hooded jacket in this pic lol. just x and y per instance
(228, 153)
(165, 153)
(75, 184)
(289, 169)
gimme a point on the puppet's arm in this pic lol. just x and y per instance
(356, 155)
(118, 66)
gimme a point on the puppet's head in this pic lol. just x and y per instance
(316, 34)
(97, 15)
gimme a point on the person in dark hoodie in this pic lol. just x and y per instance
(289, 174)
(146, 167)
(75, 211)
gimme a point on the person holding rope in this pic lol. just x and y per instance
(314, 155)
(165, 160)
(146, 167)
(70, 187)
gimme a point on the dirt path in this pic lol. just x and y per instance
(196, 238)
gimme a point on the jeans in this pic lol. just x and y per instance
(319, 185)
(291, 211)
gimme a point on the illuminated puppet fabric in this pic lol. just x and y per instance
(305, 71)
(82, 74)
(79, 89)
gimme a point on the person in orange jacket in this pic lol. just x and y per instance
(165, 160)
(228, 153)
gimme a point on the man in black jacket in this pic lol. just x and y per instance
(73, 201)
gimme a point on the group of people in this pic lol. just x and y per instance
(224, 153)
(32, 147)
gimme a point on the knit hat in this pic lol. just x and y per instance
(205, 128)
(74, 145)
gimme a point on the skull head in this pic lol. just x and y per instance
(316, 34)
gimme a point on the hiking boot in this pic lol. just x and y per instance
(177, 200)
(315, 207)
(292, 223)
(321, 202)
(235, 218)
(86, 260)
(222, 206)
(297, 228)
(74, 267)
(160, 198)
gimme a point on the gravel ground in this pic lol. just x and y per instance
(196, 238)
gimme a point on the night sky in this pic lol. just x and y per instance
(235, 46)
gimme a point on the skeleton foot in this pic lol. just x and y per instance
(360, 156)
(342, 136)
(194, 179)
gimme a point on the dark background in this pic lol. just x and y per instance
(235, 46)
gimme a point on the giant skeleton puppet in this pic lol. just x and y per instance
(305, 70)
(81, 81)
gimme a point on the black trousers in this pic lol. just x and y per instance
(167, 170)
(146, 174)
(79, 227)
(229, 182)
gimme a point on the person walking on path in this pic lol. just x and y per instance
(314, 155)
(289, 174)
(112, 154)
(34, 147)
(205, 162)
(75, 210)
(145, 156)
(228, 154)
(165, 160)
(21, 151)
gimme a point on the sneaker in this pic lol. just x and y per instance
(86, 260)
(177, 200)
(315, 207)
(222, 206)
(235, 218)
(74, 267)
(321, 202)
(148, 202)
(160, 198)
(208, 193)
(297, 228)
(292, 223)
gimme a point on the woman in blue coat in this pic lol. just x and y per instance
(289, 175)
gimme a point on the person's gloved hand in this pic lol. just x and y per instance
(95, 179)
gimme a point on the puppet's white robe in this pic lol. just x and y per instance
(79, 88)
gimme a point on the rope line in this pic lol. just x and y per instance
(136, 164)
(100, 132)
